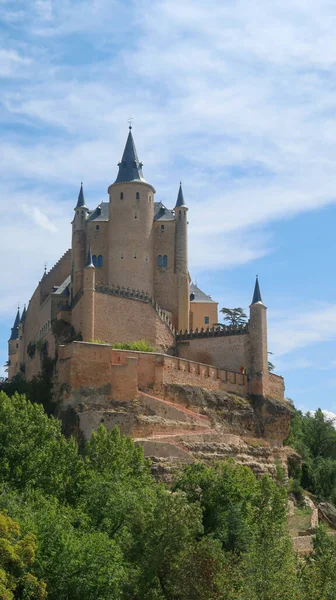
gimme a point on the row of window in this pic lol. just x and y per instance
(137, 196)
(162, 261)
(97, 260)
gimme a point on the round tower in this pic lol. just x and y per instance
(181, 261)
(130, 262)
(258, 344)
(78, 242)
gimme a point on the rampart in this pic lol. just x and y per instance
(87, 368)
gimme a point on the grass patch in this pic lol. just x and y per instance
(138, 346)
(300, 521)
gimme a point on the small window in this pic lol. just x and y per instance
(165, 261)
(100, 261)
(180, 212)
(122, 256)
(150, 198)
(97, 227)
(77, 212)
(159, 260)
(162, 227)
(137, 195)
(135, 215)
(206, 320)
(94, 260)
(121, 195)
(134, 255)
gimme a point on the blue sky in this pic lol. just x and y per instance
(235, 98)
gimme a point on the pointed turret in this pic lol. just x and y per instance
(130, 168)
(257, 295)
(81, 199)
(89, 262)
(15, 328)
(23, 316)
(180, 199)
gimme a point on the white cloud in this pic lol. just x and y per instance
(302, 328)
(12, 64)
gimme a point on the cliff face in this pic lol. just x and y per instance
(184, 423)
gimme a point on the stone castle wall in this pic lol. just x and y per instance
(165, 284)
(127, 320)
(224, 351)
(84, 369)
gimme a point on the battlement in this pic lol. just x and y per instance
(222, 331)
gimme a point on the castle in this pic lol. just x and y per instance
(126, 278)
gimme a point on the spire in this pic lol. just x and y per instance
(130, 169)
(89, 262)
(180, 198)
(15, 328)
(23, 316)
(256, 295)
(81, 199)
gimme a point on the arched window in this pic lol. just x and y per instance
(159, 260)
(94, 260)
(137, 196)
(121, 195)
(165, 260)
(100, 261)
(162, 227)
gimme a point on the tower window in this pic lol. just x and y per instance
(97, 227)
(135, 215)
(180, 212)
(150, 198)
(121, 195)
(165, 261)
(206, 320)
(100, 261)
(162, 227)
(94, 260)
(122, 256)
(137, 196)
(160, 261)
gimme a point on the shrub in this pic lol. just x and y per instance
(139, 346)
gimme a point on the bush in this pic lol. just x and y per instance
(139, 346)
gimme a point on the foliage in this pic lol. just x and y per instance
(95, 524)
(17, 555)
(139, 346)
(314, 437)
(234, 316)
(271, 367)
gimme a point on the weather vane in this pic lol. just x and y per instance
(130, 121)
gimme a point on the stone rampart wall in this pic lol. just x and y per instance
(224, 351)
(275, 387)
(93, 366)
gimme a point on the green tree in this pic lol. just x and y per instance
(233, 316)
(318, 574)
(17, 555)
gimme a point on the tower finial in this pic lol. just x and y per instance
(130, 121)
(81, 199)
(180, 199)
(130, 168)
(257, 294)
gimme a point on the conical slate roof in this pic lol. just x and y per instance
(23, 316)
(180, 198)
(89, 262)
(15, 328)
(81, 199)
(256, 295)
(130, 168)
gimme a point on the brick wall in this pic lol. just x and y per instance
(93, 366)
(226, 352)
(126, 320)
(275, 387)
(56, 275)
(165, 283)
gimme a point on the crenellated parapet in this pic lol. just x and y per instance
(225, 330)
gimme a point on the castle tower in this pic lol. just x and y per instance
(78, 243)
(258, 344)
(181, 261)
(130, 261)
(21, 355)
(13, 348)
(89, 281)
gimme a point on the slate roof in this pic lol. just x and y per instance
(101, 213)
(180, 198)
(130, 168)
(15, 328)
(89, 262)
(256, 295)
(162, 213)
(63, 289)
(199, 296)
(81, 199)
(23, 316)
